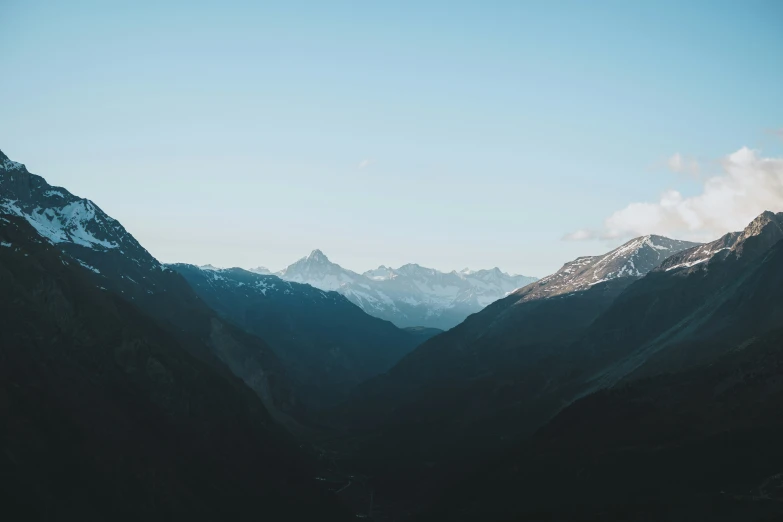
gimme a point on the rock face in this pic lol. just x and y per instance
(411, 295)
(328, 344)
(633, 259)
(766, 229)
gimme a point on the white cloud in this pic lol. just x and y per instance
(365, 163)
(682, 165)
(580, 235)
(748, 185)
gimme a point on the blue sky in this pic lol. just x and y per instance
(450, 134)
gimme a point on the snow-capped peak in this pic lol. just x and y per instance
(318, 271)
(317, 256)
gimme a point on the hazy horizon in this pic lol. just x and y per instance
(446, 135)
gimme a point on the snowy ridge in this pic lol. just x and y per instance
(767, 227)
(9, 165)
(76, 225)
(65, 224)
(635, 258)
(223, 277)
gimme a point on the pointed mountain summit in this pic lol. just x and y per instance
(8, 165)
(316, 256)
(316, 270)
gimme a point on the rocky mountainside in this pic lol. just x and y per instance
(328, 344)
(108, 416)
(411, 295)
(633, 259)
(118, 263)
(701, 444)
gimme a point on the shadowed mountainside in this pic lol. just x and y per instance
(107, 416)
(328, 344)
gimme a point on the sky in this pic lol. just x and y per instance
(451, 134)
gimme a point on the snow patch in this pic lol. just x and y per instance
(12, 165)
(88, 267)
(63, 225)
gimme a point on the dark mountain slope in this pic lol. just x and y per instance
(504, 340)
(692, 356)
(106, 416)
(697, 445)
(490, 381)
(329, 344)
(422, 332)
(117, 262)
(720, 292)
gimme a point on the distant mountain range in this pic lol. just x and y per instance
(408, 296)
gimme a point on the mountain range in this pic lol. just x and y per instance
(410, 295)
(639, 385)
